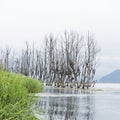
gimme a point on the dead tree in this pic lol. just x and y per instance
(67, 58)
(90, 62)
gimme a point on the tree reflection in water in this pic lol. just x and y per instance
(79, 107)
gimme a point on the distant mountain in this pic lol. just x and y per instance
(113, 77)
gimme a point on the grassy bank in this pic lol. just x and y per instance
(15, 97)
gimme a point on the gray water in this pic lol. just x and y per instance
(67, 104)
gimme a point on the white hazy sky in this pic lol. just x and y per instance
(22, 20)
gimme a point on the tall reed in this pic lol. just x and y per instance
(15, 97)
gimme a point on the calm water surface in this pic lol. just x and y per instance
(67, 104)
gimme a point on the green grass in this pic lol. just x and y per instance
(15, 97)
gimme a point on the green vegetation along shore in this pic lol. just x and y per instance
(15, 96)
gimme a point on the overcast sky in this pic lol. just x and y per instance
(22, 20)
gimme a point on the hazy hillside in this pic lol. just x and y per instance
(113, 77)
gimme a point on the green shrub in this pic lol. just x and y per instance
(15, 98)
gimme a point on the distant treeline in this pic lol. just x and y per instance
(67, 58)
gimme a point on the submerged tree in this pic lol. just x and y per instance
(66, 59)
(90, 61)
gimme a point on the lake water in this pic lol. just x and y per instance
(99, 103)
